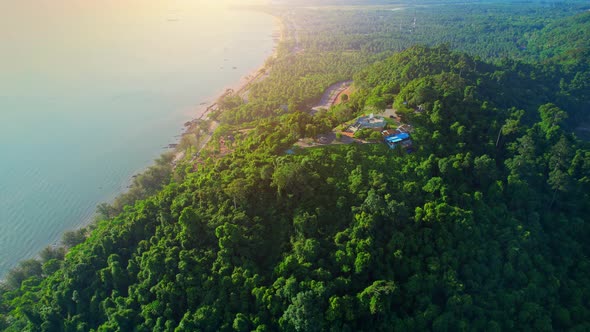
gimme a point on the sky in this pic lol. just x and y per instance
(35, 34)
(47, 9)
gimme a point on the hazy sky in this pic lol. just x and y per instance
(38, 12)
(38, 34)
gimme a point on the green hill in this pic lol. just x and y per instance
(483, 227)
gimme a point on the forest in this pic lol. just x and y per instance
(482, 227)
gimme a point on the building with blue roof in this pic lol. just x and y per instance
(402, 139)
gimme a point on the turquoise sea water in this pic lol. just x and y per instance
(89, 95)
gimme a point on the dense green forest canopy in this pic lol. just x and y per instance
(329, 43)
(482, 227)
(543, 43)
(490, 30)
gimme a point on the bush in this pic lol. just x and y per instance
(363, 133)
(22, 272)
(73, 238)
(51, 266)
(50, 253)
(375, 136)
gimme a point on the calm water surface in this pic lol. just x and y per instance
(90, 93)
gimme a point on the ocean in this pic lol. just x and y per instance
(91, 92)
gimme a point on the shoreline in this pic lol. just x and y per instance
(202, 112)
(199, 112)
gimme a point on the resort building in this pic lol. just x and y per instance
(368, 122)
(397, 138)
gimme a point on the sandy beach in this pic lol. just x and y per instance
(243, 84)
(241, 87)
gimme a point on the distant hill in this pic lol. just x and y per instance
(566, 40)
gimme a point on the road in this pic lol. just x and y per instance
(330, 95)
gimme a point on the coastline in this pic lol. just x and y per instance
(203, 110)
(240, 87)
(199, 112)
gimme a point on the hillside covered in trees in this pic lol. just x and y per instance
(483, 227)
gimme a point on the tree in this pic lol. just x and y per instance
(376, 298)
(551, 119)
(376, 102)
(238, 191)
(51, 252)
(105, 210)
(559, 163)
(22, 272)
(73, 238)
(303, 314)
(241, 323)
